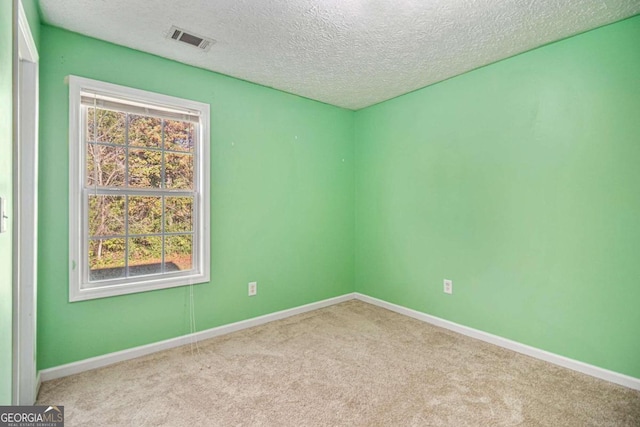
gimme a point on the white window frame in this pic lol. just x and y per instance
(79, 286)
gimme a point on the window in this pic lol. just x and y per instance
(139, 190)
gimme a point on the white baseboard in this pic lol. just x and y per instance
(132, 353)
(594, 371)
(37, 390)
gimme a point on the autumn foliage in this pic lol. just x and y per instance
(140, 182)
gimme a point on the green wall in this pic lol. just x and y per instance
(6, 189)
(282, 203)
(520, 181)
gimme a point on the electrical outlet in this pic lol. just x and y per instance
(253, 288)
(448, 286)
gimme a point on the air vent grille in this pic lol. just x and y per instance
(180, 35)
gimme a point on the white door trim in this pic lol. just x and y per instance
(25, 195)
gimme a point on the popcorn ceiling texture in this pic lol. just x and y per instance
(349, 53)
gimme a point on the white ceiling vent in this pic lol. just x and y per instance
(178, 34)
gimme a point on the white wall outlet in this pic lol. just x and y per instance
(253, 288)
(448, 286)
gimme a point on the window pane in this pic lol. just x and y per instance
(106, 259)
(137, 190)
(105, 166)
(178, 214)
(145, 214)
(179, 171)
(178, 135)
(105, 126)
(145, 255)
(145, 131)
(145, 168)
(178, 252)
(106, 215)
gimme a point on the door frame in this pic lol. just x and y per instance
(25, 381)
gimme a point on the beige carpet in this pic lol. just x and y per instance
(351, 364)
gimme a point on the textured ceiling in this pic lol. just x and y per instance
(349, 53)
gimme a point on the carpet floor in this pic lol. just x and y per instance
(351, 364)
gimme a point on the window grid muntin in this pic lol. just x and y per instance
(126, 190)
(139, 147)
(126, 201)
(133, 236)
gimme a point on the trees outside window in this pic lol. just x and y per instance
(139, 182)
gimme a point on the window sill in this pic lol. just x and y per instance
(88, 292)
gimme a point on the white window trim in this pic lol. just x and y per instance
(78, 233)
